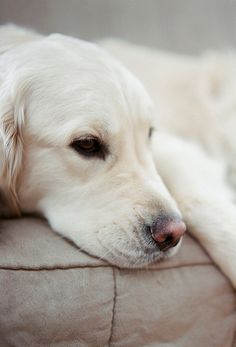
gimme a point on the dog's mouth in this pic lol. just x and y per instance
(136, 257)
(145, 254)
(139, 260)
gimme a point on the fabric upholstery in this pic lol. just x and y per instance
(53, 294)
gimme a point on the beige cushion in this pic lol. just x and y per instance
(52, 294)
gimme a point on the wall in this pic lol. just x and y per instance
(179, 25)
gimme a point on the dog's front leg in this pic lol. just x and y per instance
(198, 185)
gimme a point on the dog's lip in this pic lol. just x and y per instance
(146, 254)
(143, 258)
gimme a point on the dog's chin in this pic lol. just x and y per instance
(141, 259)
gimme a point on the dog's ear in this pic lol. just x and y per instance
(11, 148)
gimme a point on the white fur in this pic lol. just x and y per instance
(195, 149)
(55, 89)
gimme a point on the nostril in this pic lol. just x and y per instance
(169, 239)
(167, 232)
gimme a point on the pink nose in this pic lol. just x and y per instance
(167, 233)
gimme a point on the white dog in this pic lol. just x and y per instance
(78, 145)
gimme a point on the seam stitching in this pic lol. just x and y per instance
(113, 308)
(70, 267)
(234, 339)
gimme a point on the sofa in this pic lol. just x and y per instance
(53, 294)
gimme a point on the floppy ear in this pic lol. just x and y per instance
(11, 149)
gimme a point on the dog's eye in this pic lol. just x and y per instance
(89, 147)
(151, 129)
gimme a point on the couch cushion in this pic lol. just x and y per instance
(52, 294)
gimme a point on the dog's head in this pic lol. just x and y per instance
(75, 138)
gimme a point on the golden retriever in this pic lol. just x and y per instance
(79, 145)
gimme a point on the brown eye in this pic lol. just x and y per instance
(89, 147)
(88, 144)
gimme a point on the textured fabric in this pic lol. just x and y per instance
(52, 294)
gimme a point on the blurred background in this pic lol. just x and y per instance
(185, 26)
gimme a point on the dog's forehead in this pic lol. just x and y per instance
(81, 88)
